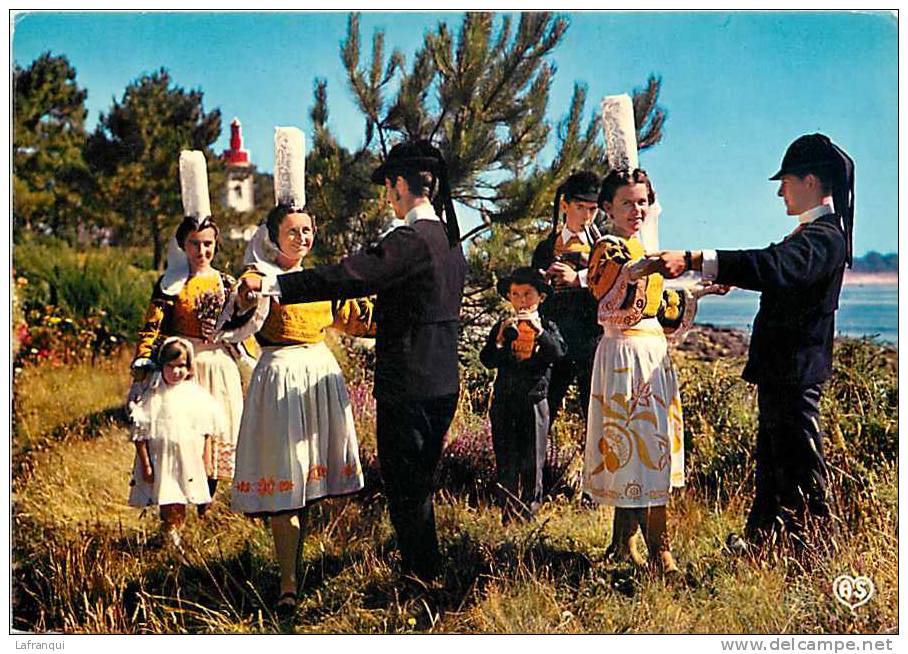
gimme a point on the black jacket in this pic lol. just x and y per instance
(799, 280)
(528, 379)
(418, 279)
(572, 309)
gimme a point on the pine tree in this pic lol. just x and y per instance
(135, 151)
(49, 173)
(482, 97)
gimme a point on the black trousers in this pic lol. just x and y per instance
(519, 429)
(791, 472)
(410, 436)
(564, 373)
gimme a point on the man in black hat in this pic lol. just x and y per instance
(522, 347)
(791, 345)
(564, 256)
(417, 272)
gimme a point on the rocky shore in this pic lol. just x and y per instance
(710, 343)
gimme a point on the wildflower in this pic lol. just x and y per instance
(21, 281)
(411, 621)
(113, 339)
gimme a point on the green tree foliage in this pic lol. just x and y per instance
(49, 173)
(482, 97)
(135, 152)
(339, 193)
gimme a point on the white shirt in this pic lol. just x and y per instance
(710, 265)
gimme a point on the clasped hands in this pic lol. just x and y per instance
(672, 264)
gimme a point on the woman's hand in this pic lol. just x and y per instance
(208, 325)
(710, 288)
(247, 290)
(148, 473)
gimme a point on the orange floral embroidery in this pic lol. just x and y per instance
(317, 473)
(350, 470)
(265, 486)
(284, 485)
(243, 486)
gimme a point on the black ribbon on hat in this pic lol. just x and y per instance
(843, 198)
(443, 201)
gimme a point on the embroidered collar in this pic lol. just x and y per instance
(422, 211)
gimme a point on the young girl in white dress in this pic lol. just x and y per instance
(173, 423)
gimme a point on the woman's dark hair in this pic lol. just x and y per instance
(276, 216)
(171, 350)
(624, 177)
(192, 224)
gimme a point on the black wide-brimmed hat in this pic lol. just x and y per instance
(525, 275)
(422, 156)
(582, 185)
(816, 153)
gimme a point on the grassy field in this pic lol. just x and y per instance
(85, 562)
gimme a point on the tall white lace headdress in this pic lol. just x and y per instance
(621, 152)
(196, 203)
(289, 191)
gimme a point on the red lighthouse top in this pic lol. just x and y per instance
(236, 155)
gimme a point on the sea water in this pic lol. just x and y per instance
(864, 310)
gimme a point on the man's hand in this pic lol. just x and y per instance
(671, 263)
(562, 274)
(148, 474)
(246, 291)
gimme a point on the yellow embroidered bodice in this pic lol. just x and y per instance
(624, 303)
(185, 321)
(606, 261)
(178, 315)
(299, 324)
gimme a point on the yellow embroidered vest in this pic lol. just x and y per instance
(608, 256)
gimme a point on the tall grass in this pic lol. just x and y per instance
(85, 562)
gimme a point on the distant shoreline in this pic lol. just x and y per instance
(870, 278)
(851, 278)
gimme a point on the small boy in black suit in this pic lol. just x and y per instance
(523, 348)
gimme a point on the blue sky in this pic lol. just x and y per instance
(738, 87)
